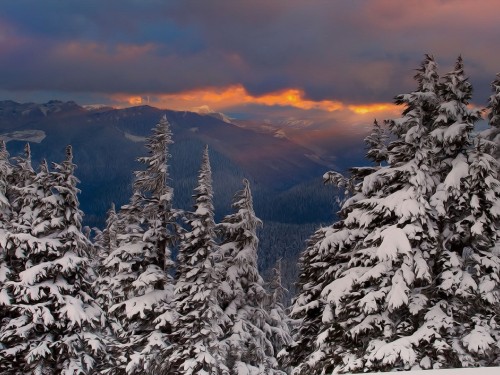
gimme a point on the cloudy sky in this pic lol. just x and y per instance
(343, 60)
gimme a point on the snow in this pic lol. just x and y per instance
(394, 242)
(205, 110)
(134, 138)
(460, 170)
(479, 340)
(334, 291)
(455, 371)
(29, 135)
(96, 107)
(74, 310)
(142, 304)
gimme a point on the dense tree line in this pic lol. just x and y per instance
(120, 304)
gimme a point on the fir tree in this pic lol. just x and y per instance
(134, 278)
(493, 133)
(249, 344)
(5, 272)
(157, 195)
(381, 289)
(54, 314)
(199, 327)
(376, 142)
(106, 241)
(134, 288)
(279, 322)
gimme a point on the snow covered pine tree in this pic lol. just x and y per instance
(249, 340)
(199, 328)
(5, 272)
(53, 313)
(134, 280)
(493, 133)
(405, 280)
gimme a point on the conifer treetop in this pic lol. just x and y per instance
(494, 103)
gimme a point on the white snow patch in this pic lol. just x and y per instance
(96, 107)
(30, 135)
(205, 110)
(280, 134)
(135, 138)
(454, 371)
(394, 242)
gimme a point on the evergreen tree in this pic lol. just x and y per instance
(134, 277)
(376, 142)
(199, 327)
(381, 288)
(248, 341)
(134, 289)
(156, 194)
(493, 133)
(106, 241)
(5, 272)
(5, 185)
(279, 322)
(53, 312)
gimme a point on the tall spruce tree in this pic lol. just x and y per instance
(493, 133)
(376, 142)
(279, 322)
(157, 195)
(199, 328)
(134, 277)
(375, 290)
(106, 241)
(53, 313)
(468, 222)
(5, 272)
(248, 341)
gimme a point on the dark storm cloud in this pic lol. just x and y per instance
(353, 51)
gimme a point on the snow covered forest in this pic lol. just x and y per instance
(407, 279)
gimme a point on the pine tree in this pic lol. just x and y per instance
(199, 327)
(329, 257)
(5, 184)
(279, 322)
(134, 277)
(381, 288)
(493, 133)
(157, 195)
(134, 289)
(5, 272)
(106, 241)
(376, 142)
(248, 340)
(54, 314)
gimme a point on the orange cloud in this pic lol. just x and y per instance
(363, 109)
(223, 99)
(135, 100)
(236, 95)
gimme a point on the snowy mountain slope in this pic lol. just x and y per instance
(33, 135)
(206, 110)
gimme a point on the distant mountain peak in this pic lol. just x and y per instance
(97, 107)
(205, 110)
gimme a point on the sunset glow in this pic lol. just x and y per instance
(373, 108)
(296, 59)
(237, 96)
